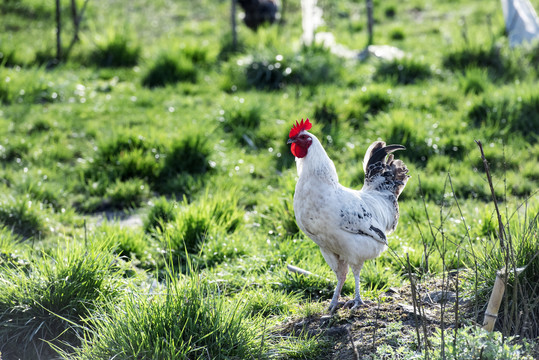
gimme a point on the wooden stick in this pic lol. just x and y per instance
(233, 25)
(298, 270)
(496, 298)
(301, 271)
(58, 32)
(370, 22)
(495, 301)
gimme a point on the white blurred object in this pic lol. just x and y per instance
(384, 52)
(521, 21)
(327, 40)
(311, 18)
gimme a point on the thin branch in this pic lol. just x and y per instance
(58, 31)
(414, 300)
(77, 19)
(501, 229)
(233, 25)
(356, 354)
(472, 252)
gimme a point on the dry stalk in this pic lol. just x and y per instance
(351, 338)
(414, 301)
(375, 327)
(501, 229)
(233, 25)
(456, 303)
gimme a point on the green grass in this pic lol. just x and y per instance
(115, 50)
(168, 69)
(521, 227)
(509, 113)
(45, 302)
(470, 343)
(499, 63)
(23, 218)
(166, 123)
(203, 224)
(190, 320)
(161, 213)
(403, 71)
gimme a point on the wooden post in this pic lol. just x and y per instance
(370, 21)
(233, 24)
(58, 32)
(495, 301)
(496, 297)
(77, 18)
(283, 10)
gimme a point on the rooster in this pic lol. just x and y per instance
(349, 226)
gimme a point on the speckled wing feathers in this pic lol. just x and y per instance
(382, 171)
(358, 220)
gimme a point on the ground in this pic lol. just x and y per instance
(356, 334)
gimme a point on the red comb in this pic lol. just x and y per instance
(299, 127)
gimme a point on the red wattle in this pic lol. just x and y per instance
(298, 151)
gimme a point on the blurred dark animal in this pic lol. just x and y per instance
(258, 12)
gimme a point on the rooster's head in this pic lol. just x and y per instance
(300, 138)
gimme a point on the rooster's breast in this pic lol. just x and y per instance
(314, 208)
(318, 216)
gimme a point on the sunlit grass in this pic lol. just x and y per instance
(46, 300)
(190, 319)
(166, 123)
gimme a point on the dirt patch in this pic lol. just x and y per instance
(355, 334)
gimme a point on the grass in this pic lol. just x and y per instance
(197, 222)
(520, 230)
(191, 320)
(509, 114)
(42, 303)
(474, 81)
(494, 59)
(167, 124)
(403, 71)
(22, 218)
(471, 343)
(115, 50)
(161, 213)
(168, 69)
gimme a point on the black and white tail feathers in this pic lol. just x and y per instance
(383, 172)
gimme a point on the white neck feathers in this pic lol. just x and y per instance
(317, 164)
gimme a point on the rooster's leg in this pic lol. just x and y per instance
(356, 269)
(340, 267)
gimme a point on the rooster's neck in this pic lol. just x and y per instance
(317, 165)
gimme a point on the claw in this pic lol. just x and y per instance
(355, 303)
(333, 306)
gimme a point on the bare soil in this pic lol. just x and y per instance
(356, 334)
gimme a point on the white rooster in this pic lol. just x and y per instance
(349, 226)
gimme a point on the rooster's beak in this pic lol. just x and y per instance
(290, 141)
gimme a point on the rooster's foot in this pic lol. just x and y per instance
(355, 303)
(334, 306)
